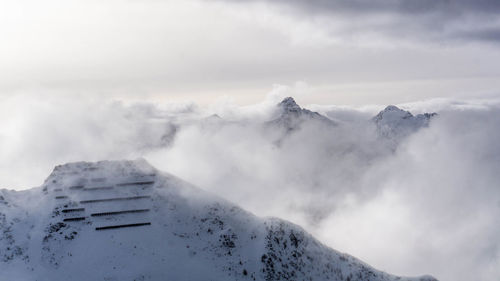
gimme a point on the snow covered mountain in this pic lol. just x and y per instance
(395, 123)
(392, 123)
(291, 115)
(125, 220)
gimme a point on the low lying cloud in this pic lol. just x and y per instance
(428, 205)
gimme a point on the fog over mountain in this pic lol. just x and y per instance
(406, 193)
(373, 125)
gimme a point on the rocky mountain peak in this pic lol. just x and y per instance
(392, 112)
(288, 104)
(395, 123)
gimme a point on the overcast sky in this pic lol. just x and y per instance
(348, 52)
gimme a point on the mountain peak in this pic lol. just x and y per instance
(395, 122)
(127, 168)
(289, 104)
(393, 112)
(114, 220)
(291, 115)
(392, 108)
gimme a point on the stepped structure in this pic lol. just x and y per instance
(97, 198)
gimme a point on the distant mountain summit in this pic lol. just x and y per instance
(288, 104)
(291, 115)
(392, 111)
(125, 220)
(396, 123)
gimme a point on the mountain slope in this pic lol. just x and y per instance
(124, 220)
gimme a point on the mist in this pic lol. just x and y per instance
(426, 203)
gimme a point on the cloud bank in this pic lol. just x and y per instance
(428, 205)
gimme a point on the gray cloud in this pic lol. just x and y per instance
(457, 7)
(440, 21)
(487, 34)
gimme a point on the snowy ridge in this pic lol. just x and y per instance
(291, 115)
(124, 220)
(395, 123)
(391, 123)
